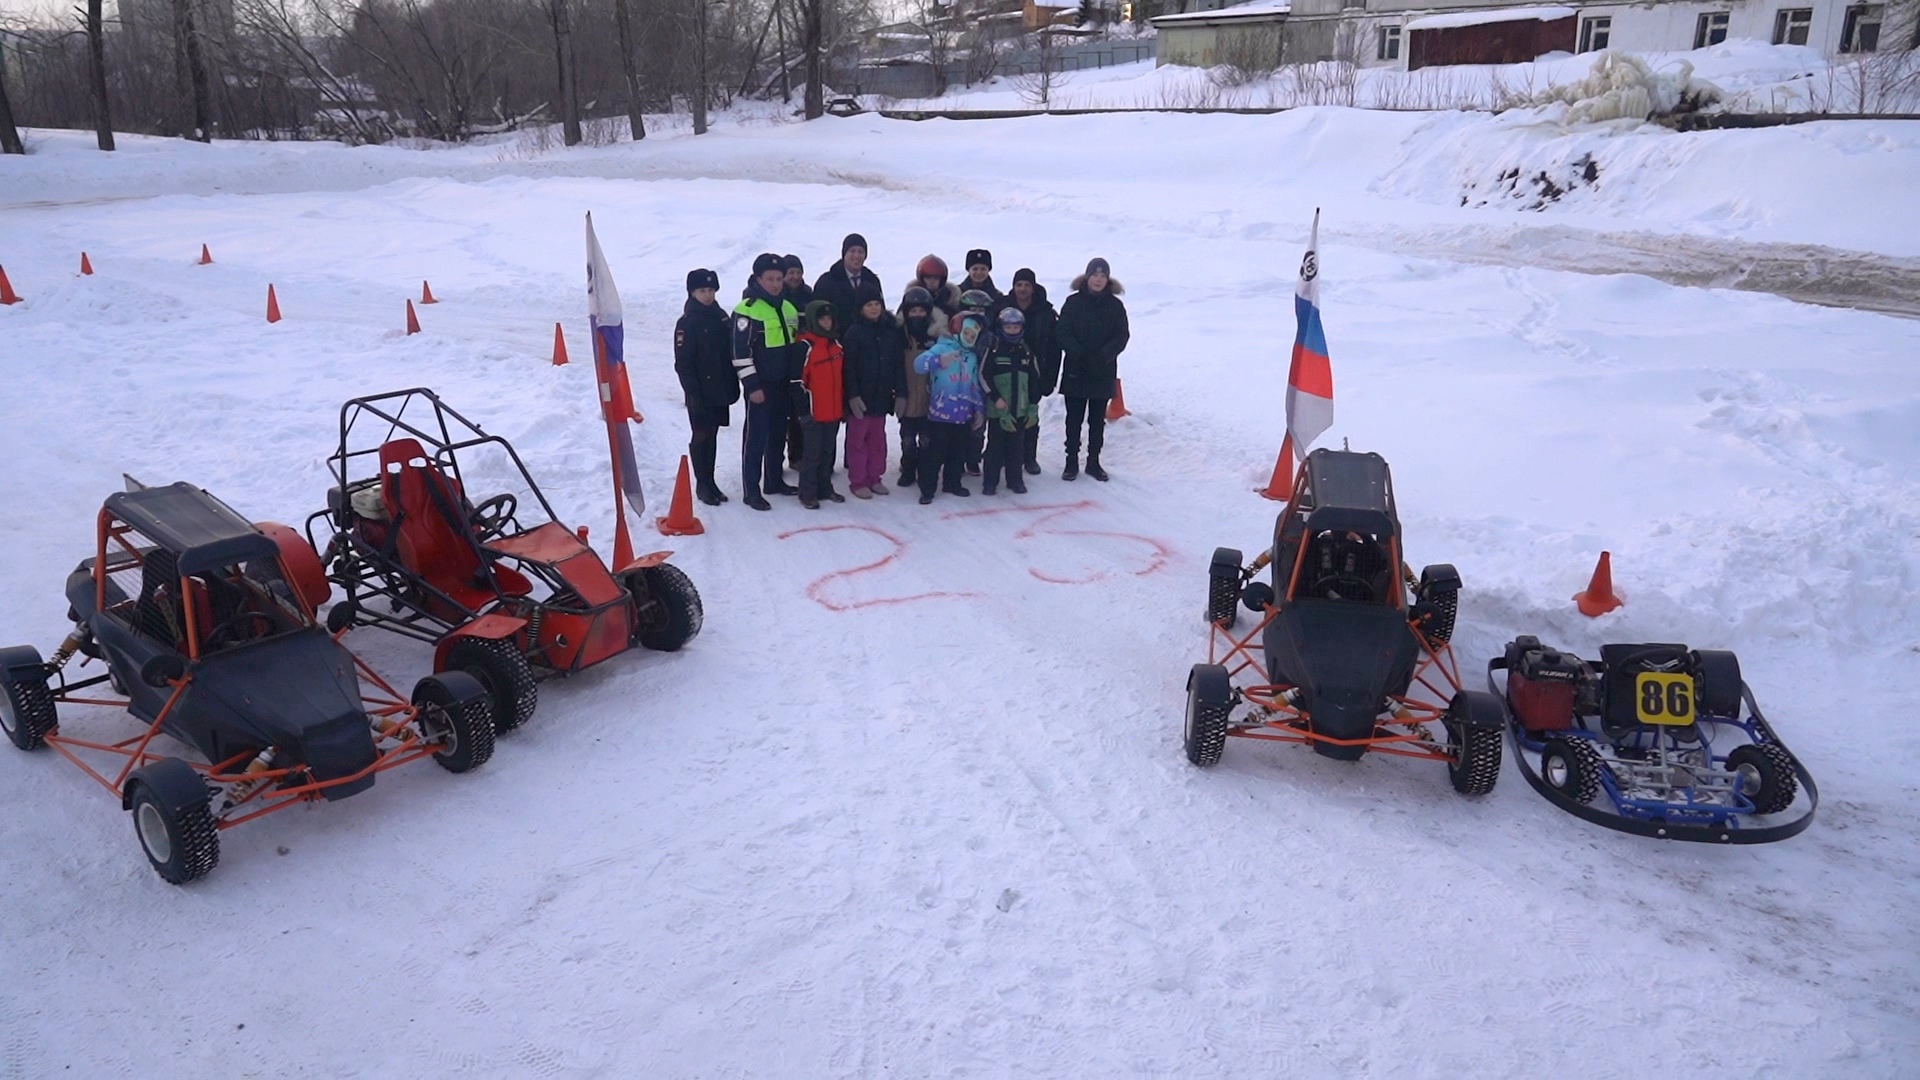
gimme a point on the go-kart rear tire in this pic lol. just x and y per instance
(454, 706)
(27, 711)
(1209, 705)
(1475, 764)
(502, 672)
(677, 616)
(1766, 776)
(181, 843)
(1572, 768)
(1223, 588)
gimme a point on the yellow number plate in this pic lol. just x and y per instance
(1663, 698)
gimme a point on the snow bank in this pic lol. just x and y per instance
(1622, 86)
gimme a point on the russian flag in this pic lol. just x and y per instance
(1310, 376)
(610, 371)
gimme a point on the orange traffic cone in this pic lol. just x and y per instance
(1280, 486)
(1117, 408)
(1599, 597)
(206, 257)
(413, 321)
(7, 295)
(680, 520)
(559, 346)
(86, 265)
(273, 305)
(426, 294)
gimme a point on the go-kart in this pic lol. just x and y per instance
(508, 601)
(1349, 652)
(205, 625)
(1653, 739)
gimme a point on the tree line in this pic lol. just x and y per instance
(373, 70)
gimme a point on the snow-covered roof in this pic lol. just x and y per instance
(1454, 19)
(1257, 9)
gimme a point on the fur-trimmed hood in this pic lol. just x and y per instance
(1113, 285)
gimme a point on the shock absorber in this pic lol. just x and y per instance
(239, 792)
(82, 633)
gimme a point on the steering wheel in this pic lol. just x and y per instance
(1342, 587)
(232, 626)
(492, 515)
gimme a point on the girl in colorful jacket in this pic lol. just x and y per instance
(953, 406)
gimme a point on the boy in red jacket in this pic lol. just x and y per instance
(824, 378)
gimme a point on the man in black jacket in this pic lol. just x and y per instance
(1030, 298)
(848, 284)
(1092, 330)
(703, 358)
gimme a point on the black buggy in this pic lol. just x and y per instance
(1350, 654)
(204, 623)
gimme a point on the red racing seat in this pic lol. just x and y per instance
(434, 540)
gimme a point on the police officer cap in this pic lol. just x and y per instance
(702, 279)
(979, 257)
(766, 261)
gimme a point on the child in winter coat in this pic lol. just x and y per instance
(1009, 378)
(873, 345)
(703, 358)
(924, 323)
(953, 407)
(824, 379)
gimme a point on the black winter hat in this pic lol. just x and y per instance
(1098, 266)
(702, 279)
(853, 240)
(792, 262)
(979, 257)
(1024, 274)
(766, 261)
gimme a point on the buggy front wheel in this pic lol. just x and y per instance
(27, 712)
(455, 710)
(179, 838)
(1209, 704)
(1474, 720)
(666, 607)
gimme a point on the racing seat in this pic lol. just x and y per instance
(433, 538)
(1346, 566)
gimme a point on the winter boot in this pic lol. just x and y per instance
(756, 500)
(879, 488)
(704, 488)
(1094, 470)
(1072, 471)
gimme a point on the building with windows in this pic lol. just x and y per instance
(1420, 33)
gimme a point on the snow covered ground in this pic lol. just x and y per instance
(932, 818)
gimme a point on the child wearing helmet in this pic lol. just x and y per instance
(931, 275)
(924, 323)
(1009, 377)
(977, 302)
(953, 407)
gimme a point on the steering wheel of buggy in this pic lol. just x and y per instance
(1342, 587)
(231, 628)
(492, 515)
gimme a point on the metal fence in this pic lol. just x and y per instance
(916, 80)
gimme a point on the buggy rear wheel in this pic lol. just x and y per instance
(1474, 721)
(180, 842)
(1764, 773)
(666, 607)
(456, 709)
(1209, 704)
(502, 672)
(1572, 768)
(27, 712)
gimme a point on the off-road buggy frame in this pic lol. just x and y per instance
(510, 602)
(205, 624)
(1652, 739)
(1350, 653)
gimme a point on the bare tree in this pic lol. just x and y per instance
(9, 134)
(636, 123)
(1037, 86)
(560, 15)
(198, 124)
(97, 76)
(700, 67)
(814, 47)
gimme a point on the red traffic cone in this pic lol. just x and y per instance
(413, 321)
(680, 520)
(426, 294)
(7, 295)
(559, 346)
(206, 257)
(86, 264)
(1599, 597)
(1280, 487)
(1117, 408)
(273, 305)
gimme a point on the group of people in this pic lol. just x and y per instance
(961, 366)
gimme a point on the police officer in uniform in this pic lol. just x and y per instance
(768, 359)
